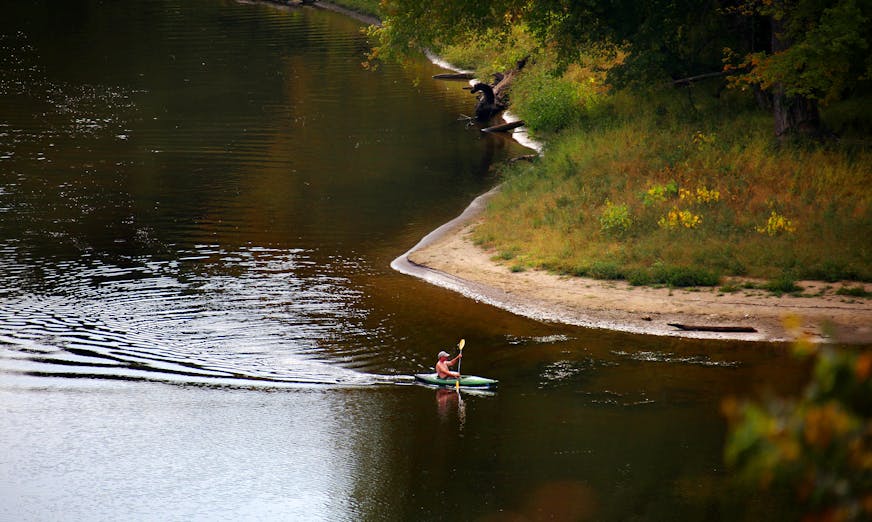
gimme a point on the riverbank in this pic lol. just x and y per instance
(448, 257)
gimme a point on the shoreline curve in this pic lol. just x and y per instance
(447, 257)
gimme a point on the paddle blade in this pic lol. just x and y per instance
(460, 347)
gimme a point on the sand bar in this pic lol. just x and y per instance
(447, 257)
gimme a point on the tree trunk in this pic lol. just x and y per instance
(793, 114)
(763, 98)
(501, 88)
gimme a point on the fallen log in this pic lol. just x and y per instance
(453, 76)
(487, 106)
(494, 98)
(504, 127)
(529, 157)
(712, 328)
(504, 81)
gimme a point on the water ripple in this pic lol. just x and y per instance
(653, 356)
(185, 320)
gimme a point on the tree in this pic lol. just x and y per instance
(818, 53)
(671, 36)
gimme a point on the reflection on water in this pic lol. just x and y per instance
(702, 360)
(450, 405)
(208, 194)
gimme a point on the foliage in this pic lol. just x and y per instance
(615, 219)
(854, 291)
(702, 195)
(660, 193)
(489, 51)
(676, 218)
(819, 445)
(664, 35)
(547, 102)
(796, 49)
(783, 285)
(550, 97)
(605, 270)
(826, 48)
(674, 276)
(777, 224)
(403, 34)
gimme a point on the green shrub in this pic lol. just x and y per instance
(639, 277)
(683, 276)
(673, 275)
(506, 255)
(490, 51)
(782, 285)
(546, 103)
(832, 272)
(605, 270)
(853, 291)
(660, 193)
(615, 219)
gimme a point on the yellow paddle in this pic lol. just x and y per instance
(457, 382)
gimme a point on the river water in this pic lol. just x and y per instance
(199, 203)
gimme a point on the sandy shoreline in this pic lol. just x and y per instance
(447, 257)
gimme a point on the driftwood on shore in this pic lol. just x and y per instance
(494, 97)
(526, 157)
(454, 76)
(713, 328)
(505, 127)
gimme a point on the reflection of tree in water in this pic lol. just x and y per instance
(448, 401)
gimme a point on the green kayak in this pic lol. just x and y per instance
(466, 381)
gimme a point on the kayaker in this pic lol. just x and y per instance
(442, 366)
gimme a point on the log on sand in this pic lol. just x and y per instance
(713, 328)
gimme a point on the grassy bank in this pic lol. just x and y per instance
(677, 186)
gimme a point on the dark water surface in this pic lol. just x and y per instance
(199, 202)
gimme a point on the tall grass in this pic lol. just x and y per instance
(661, 188)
